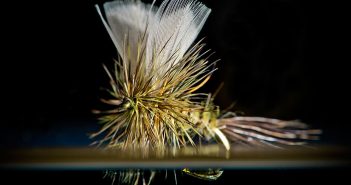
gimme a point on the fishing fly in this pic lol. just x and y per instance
(153, 87)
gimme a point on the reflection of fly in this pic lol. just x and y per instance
(153, 95)
(208, 174)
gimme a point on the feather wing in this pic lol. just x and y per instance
(168, 32)
(127, 26)
(173, 29)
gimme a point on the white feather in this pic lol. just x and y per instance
(169, 31)
(174, 28)
(128, 23)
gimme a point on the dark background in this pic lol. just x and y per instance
(279, 58)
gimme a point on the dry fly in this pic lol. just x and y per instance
(153, 88)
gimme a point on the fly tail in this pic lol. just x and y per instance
(259, 131)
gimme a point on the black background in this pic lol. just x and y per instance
(279, 58)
